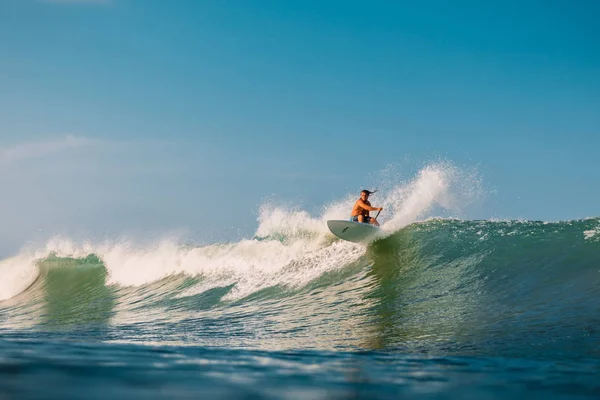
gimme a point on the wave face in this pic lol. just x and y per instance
(440, 286)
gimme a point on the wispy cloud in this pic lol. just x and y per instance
(39, 149)
(77, 1)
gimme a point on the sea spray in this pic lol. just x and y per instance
(16, 275)
(285, 240)
(440, 189)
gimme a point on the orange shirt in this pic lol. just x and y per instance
(358, 210)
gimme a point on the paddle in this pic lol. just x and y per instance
(374, 191)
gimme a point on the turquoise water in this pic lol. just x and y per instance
(438, 309)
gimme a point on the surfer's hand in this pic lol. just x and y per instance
(380, 208)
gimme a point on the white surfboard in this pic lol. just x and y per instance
(356, 232)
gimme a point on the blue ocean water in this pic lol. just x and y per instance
(441, 308)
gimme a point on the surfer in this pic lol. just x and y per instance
(360, 211)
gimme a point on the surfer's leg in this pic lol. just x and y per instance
(361, 218)
(373, 221)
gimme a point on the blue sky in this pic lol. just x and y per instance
(127, 115)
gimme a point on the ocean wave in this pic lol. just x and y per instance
(432, 284)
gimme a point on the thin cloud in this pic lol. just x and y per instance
(39, 149)
(101, 2)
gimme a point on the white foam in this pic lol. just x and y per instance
(249, 264)
(16, 275)
(275, 221)
(290, 247)
(589, 234)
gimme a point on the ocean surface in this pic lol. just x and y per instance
(440, 308)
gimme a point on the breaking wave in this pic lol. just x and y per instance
(439, 285)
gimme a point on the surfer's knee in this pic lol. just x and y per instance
(361, 218)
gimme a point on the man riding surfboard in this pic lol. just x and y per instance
(360, 211)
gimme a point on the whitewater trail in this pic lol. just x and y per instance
(290, 247)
